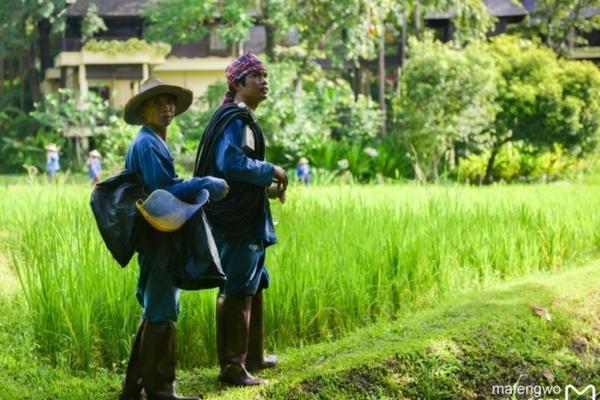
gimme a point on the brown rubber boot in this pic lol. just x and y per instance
(132, 386)
(256, 358)
(158, 361)
(233, 324)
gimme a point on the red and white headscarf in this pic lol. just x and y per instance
(238, 69)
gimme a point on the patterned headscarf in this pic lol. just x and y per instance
(238, 69)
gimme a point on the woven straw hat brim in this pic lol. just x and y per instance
(183, 101)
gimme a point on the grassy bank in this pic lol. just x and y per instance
(457, 349)
(348, 257)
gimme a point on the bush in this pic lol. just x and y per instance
(307, 109)
(19, 145)
(447, 97)
(518, 162)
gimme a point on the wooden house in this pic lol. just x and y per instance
(505, 11)
(117, 76)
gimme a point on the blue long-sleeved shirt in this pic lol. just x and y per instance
(151, 158)
(52, 163)
(232, 164)
(94, 167)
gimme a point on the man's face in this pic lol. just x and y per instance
(158, 110)
(256, 88)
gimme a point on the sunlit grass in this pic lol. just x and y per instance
(348, 256)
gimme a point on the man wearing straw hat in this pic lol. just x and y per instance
(94, 166)
(152, 361)
(52, 162)
(233, 148)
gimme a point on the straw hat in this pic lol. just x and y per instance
(154, 87)
(303, 161)
(167, 213)
(95, 153)
(52, 147)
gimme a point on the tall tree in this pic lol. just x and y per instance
(183, 21)
(541, 100)
(19, 45)
(448, 98)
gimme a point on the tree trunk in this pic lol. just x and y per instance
(1, 76)
(22, 80)
(403, 43)
(417, 22)
(9, 74)
(270, 42)
(34, 86)
(382, 104)
(366, 83)
(488, 178)
(356, 80)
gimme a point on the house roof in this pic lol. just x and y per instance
(107, 8)
(586, 12)
(504, 8)
(496, 8)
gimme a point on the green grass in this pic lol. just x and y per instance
(67, 177)
(457, 349)
(348, 257)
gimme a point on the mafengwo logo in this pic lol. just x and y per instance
(574, 393)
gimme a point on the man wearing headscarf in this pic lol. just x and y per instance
(232, 147)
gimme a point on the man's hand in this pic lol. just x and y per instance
(281, 197)
(225, 191)
(217, 187)
(280, 176)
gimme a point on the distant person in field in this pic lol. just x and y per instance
(152, 361)
(94, 166)
(52, 162)
(233, 148)
(303, 171)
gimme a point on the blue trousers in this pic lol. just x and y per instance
(244, 266)
(156, 293)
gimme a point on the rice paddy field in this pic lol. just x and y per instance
(348, 257)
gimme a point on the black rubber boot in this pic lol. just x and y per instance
(256, 359)
(158, 361)
(233, 324)
(132, 385)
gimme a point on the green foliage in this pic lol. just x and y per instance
(19, 145)
(581, 89)
(307, 109)
(355, 162)
(182, 21)
(561, 23)
(516, 162)
(472, 21)
(304, 112)
(64, 109)
(129, 46)
(530, 101)
(458, 103)
(178, 21)
(112, 140)
(92, 23)
(447, 97)
(542, 101)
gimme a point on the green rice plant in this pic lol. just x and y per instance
(347, 256)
